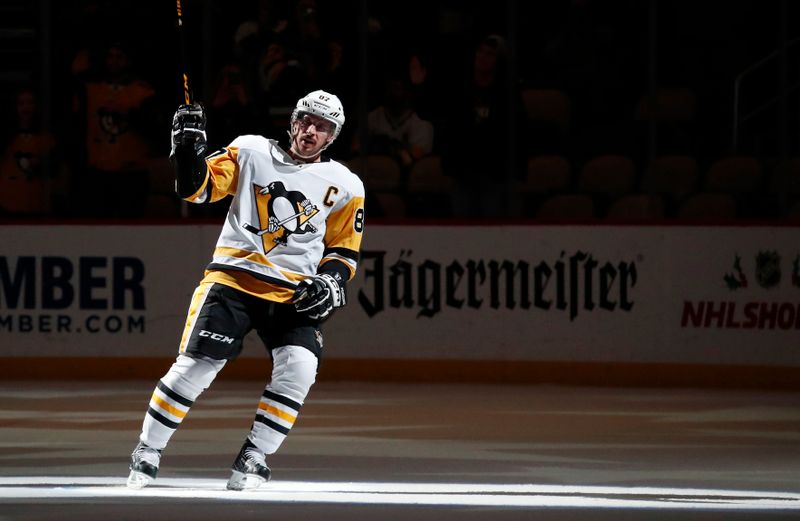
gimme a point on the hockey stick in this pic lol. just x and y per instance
(187, 91)
(252, 229)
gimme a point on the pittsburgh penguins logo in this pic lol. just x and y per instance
(282, 213)
(26, 162)
(113, 124)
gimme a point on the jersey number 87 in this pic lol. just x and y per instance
(358, 222)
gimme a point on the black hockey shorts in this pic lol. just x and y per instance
(220, 317)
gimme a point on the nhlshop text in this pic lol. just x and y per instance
(736, 315)
(570, 283)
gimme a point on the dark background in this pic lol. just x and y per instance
(607, 58)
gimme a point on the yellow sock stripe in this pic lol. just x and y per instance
(271, 409)
(167, 407)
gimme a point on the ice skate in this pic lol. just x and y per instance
(250, 469)
(144, 466)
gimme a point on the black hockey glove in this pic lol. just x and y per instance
(317, 296)
(188, 125)
(189, 148)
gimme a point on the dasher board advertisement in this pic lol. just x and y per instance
(681, 294)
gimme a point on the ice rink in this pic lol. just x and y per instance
(363, 451)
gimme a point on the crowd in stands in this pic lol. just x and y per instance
(456, 117)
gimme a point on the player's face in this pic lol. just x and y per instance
(310, 134)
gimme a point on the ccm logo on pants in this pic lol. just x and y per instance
(216, 336)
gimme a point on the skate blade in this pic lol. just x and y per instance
(242, 481)
(138, 480)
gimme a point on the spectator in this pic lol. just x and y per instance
(26, 164)
(395, 129)
(421, 86)
(231, 104)
(278, 74)
(280, 81)
(113, 109)
(477, 129)
(335, 75)
(306, 43)
(252, 35)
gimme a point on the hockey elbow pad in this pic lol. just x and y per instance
(189, 162)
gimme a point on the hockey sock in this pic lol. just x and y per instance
(174, 395)
(294, 372)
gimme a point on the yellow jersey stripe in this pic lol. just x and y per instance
(224, 170)
(251, 285)
(200, 191)
(340, 231)
(294, 277)
(251, 256)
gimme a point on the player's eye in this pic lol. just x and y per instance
(324, 126)
(321, 125)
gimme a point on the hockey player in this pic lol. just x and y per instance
(289, 244)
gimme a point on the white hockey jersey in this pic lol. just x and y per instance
(286, 219)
